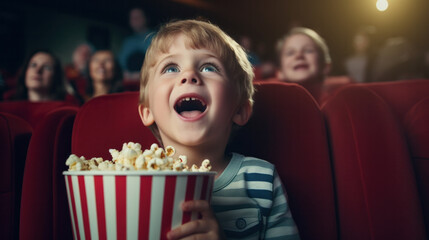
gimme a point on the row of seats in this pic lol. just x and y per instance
(355, 168)
(379, 136)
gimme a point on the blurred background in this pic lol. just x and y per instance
(62, 25)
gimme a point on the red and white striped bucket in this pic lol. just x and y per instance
(132, 205)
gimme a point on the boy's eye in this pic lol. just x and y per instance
(289, 52)
(171, 68)
(209, 67)
(309, 50)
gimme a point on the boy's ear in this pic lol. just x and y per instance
(146, 115)
(243, 113)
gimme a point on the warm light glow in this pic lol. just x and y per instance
(382, 5)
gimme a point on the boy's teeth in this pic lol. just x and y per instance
(189, 99)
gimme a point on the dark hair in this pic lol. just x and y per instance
(58, 89)
(116, 83)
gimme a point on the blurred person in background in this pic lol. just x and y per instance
(134, 47)
(358, 64)
(304, 59)
(247, 43)
(104, 75)
(397, 59)
(41, 79)
(263, 69)
(76, 71)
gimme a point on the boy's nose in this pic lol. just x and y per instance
(299, 54)
(191, 78)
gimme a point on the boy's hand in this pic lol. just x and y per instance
(205, 228)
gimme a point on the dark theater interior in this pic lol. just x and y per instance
(340, 115)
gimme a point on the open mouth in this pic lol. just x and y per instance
(300, 66)
(190, 107)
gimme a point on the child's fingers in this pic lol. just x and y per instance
(190, 228)
(200, 206)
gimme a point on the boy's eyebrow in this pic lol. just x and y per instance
(171, 56)
(165, 58)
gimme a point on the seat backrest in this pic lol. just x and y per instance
(401, 96)
(44, 209)
(15, 134)
(32, 112)
(322, 91)
(417, 131)
(107, 122)
(376, 188)
(287, 129)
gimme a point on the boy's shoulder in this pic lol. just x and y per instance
(253, 164)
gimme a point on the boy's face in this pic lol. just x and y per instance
(300, 60)
(190, 97)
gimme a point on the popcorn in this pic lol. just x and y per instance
(205, 166)
(194, 168)
(132, 157)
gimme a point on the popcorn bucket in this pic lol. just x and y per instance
(132, 205)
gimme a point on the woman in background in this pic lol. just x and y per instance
(41, 79)
(104, 75)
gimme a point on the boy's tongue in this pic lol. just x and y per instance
(190, 114)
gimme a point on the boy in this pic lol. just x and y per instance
(304, 59)
(196, 83)
(304, 56)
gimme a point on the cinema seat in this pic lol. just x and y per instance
(107, 122)
(287, 129)
(322, 91)
(44, 208)
(32, 112)
(15, 134)
(417, 131)
(131, 85)
(376, 189)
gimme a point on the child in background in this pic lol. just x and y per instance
(304, 59)
(196, 85)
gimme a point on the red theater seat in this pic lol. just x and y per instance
(417, 129)
(107, 122)
(44, 208)
(32, 112)
(15, 135)
(376, 187)
(287, 129)
(131, 84)
(322, 91)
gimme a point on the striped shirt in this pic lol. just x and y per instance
(250, 203)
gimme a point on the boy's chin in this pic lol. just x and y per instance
(190, 141)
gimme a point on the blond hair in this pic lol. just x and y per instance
(321, 45)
